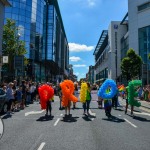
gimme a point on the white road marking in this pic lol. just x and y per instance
(140, 113)
(41, 146)
(33, 112)
(56, 122)
(119, 115)
(130, 123)
(61, 114)
(92, 114)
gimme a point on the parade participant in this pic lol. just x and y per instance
(132, 94)
(46, 93)
(100, 100)
(75, 93)
(107, 91)
(67, 87)
(126, 97)
(108, 104)
(86, 105)
(85, 96)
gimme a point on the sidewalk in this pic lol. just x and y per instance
(143, 103)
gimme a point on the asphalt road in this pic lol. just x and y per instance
(29, 129)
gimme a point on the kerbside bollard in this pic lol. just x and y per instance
(1, 128)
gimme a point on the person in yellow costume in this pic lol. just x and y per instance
(86, 103)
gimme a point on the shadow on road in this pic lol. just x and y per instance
(118, 109)
(114, 119)
(45, 118)
(69, 119)
(140, 119)
(7, 116)
(86, 118)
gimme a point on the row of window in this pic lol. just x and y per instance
(144, 6)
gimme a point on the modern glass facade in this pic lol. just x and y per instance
(55, 46)
(40, 26)
(124, 46)
(28, 15)
(144, 50)
(144, 43)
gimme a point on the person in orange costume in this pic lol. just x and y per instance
(67, 95)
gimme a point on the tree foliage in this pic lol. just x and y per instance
(131, 65)
(11, 45)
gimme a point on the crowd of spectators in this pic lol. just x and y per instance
(21, 95)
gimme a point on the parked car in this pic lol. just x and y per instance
(3, 101)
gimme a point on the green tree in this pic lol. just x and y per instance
(11, 44)
(148, 56)
(131, 65)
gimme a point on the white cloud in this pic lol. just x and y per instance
(91, 2)
(74, 58)
(74, 47)
(76, 73)
(77, 66)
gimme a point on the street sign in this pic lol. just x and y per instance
(5, 59)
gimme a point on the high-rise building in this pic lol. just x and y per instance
(139, 33)
(55, 46)
(108, 52)
(41, 27)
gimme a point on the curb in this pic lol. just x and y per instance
(141, 105)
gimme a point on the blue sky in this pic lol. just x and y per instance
(84, 21)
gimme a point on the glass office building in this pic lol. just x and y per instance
(144, 51)
(55, 52)
(28, 15)
(40, 25)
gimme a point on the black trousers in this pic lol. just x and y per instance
(115, 101)
(49, 107)
(86, 105)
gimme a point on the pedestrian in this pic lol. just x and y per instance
(86, 104)
(10, 97)
(19, 97)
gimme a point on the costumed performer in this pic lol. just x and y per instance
(46, 93)
(75, 93)
(67, 95)
(132, 93)
(85, 97)
(107, 92)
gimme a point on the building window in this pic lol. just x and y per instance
(144, 6)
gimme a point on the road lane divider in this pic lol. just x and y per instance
(56, 121)
(41, 146)
(130, 123)
(92, 114)
(33, 112)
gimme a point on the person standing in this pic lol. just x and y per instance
(10, 97)
(75, 93)
(86, 104)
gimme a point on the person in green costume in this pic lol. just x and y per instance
(132, 93)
